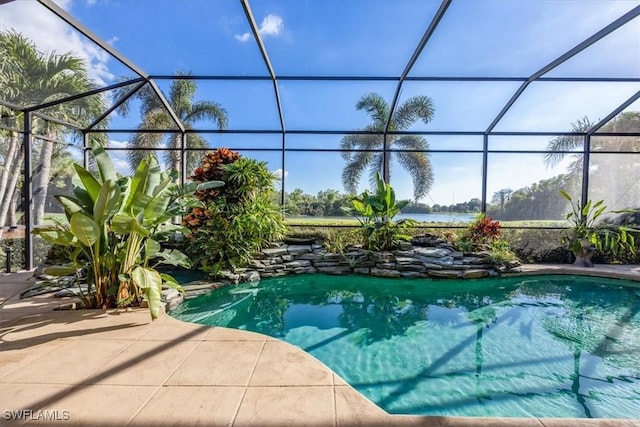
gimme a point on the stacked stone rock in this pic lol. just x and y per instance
(425, 257)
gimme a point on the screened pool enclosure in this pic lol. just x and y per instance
(463, 106)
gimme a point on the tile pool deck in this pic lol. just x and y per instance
(110, 368)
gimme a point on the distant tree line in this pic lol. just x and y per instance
(332, 203)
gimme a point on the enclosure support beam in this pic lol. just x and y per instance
(116, 104)
(282, 181)
(586, 159)
(632, 14)
(614, 113)
(183, 158)
(27, 190)
(263, 51)
(485, 162)
(85, 150)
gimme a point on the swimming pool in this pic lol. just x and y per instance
(541, 346)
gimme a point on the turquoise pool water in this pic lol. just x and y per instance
(543, 346)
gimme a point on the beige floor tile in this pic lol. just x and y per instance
(70, 363)
(143, 363)
(122, 325)
(15, 355)
(218, 363)
(57, 325)
(488, 422)
(283, 364)
(583, 422)
(166, 328)
(287, 406)
(229, 334)
(191, 406)
(354, 409)
(90, 406)
(338, 381)
(15, 397)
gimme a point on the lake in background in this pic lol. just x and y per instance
(438, 217)
(442, 217)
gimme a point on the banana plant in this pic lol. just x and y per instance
(114, 225)
(587, 229)
(375, 212)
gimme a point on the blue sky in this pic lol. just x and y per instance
(364, 38)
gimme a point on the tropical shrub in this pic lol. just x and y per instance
(479, 234)
(375, 213)
(587, 227)
(236, 220)
(115, 226)
(484, 230)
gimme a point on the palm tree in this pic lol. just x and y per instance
(416, 161)
(155, 116)
(33, 78)
(613, 177)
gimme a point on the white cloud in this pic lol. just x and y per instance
(120, 163)
(113, 40)
(91, 2)
(117, 144)
(243, 37)
(272, 25)
(49, 33)
(278, 173)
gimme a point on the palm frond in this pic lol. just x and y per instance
(195, 157)
(376, 167)
(213, 111)
(353, 170)
(411, 142)
(419, 167)
(181, 95)
(414, 108)
(566, 142)
(146, 140)
(125, 107)
(376, 107)
(359, 142)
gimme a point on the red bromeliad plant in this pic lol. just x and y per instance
(210, 171)
(484, 230)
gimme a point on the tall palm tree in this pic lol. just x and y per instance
(33, 78)
(416, 161)
(613, 177)
(155, 116)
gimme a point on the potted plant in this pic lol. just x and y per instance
(588, 233)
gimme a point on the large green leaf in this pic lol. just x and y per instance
(55, 235)
(107, 203)
(156, 208)
(173, 257)
(85, 229)
(123, 223)
(171, 282)
(60, 270)
(151, 248)
(151, 281)
(137, 184)
(89, 183)
(71, 205)
(192, 187)
(139, 204)
(103, 161)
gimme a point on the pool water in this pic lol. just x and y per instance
(542, 346)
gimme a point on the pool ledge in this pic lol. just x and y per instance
(113, 367)
(627, 272)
